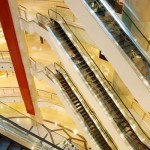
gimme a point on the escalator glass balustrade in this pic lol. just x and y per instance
(121, 35)
(103, 96)
(31, 140)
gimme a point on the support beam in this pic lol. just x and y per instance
(11, 39)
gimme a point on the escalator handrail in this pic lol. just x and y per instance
(42, 16)
(37, 16)
(29, 132)
(46, 68)
(104, 77)
(87, 106)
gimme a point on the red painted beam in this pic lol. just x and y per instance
(12, 43)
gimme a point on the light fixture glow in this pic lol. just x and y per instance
(56, 124)
(75, 132)
(18, 120)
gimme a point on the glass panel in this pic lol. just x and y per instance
(16, 127)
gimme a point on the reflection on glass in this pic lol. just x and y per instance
(35, 139)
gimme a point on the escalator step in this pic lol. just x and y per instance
(80, 66)
(69, 92)
(69, 45)
(72, 97)
(80, 109)
(93, 128)
(91, 73)
(60, 32)
(83, 112)
(74, 101)
(67, 89)
(75, 51)
(73, 47)
(106, 147)
(64, 85)
(61, 35)
(58, 28)
(84, 115)
(87, 70)
(88, 120)
(78, 105)
(97, 136)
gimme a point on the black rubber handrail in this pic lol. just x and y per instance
(46, 68)
(39, 14)
(104, 77)
(87, 106)
(27, 131)
(39, 22)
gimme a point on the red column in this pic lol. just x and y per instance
(12, 43)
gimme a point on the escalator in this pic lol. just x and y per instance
(117, 43)
(21, 135)
(125, 42)
(89, 122)
(8, 144)
(98, 88)
(80, 108)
